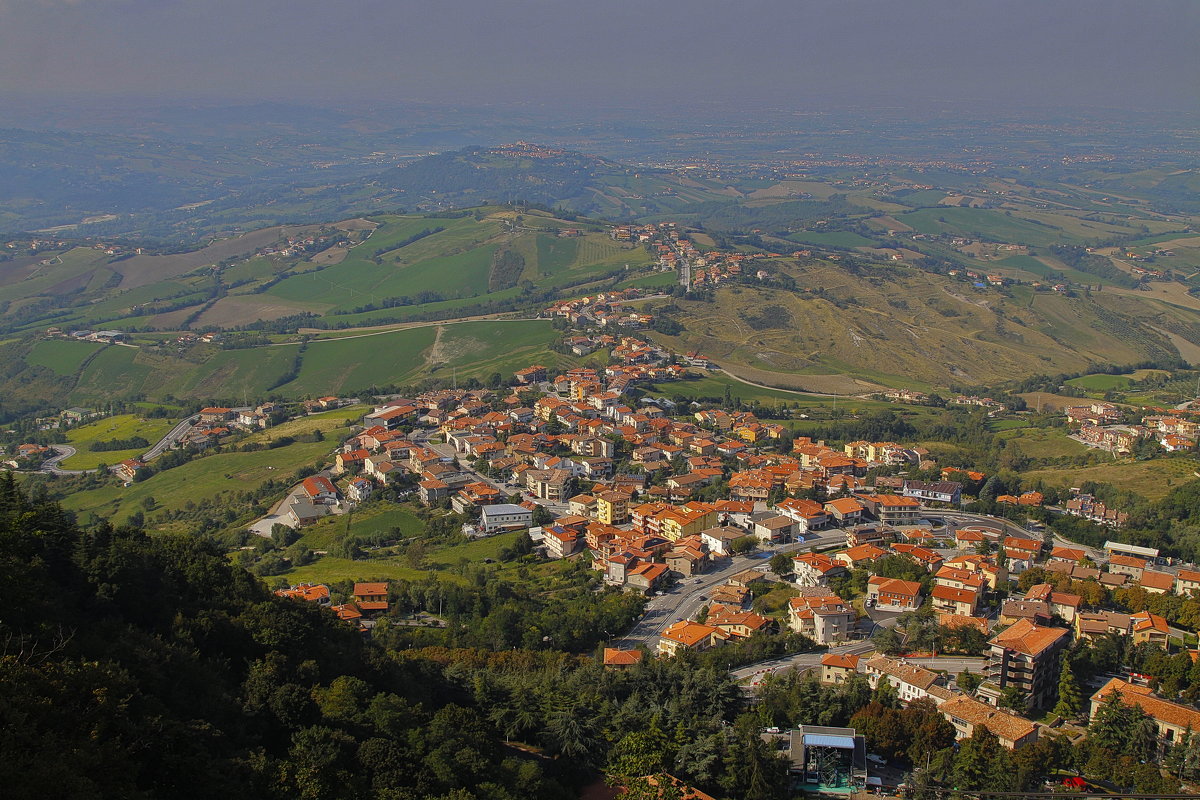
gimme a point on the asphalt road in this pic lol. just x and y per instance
(447, 451)
(1013, 529)
(690, 594)
(174, 435)
(62, 452)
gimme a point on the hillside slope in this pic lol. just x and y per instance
(899, 326)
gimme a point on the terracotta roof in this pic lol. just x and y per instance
(839, 660)
(1145, 621)
(1068, 553)
(910, 674)
(375, 588)
(1157, 580)
(688, 634)
(1027, 638)
(895, 586)
(845, 505)
(1156, 707)
(614, 657)
(1127, 561)
(1004, 725)
(954, 595)
(954, 621)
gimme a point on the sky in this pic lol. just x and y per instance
(1110, 54)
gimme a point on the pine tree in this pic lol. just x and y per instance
(1070, 701)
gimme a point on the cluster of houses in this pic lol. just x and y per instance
(672, 248)
(368, 601)
(602, 310)
(1099, 424)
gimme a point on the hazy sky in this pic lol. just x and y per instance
(1143, 54)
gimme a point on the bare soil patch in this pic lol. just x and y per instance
(240, 309)
(358, 224)
(142, 270)
(824, 384)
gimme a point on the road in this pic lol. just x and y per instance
(806, 661)
(174, 435)
(690, 594)
(61, 452)
(422, 438)
(1013, 529)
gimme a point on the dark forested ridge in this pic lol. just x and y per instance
(148, 667)
(136, 666)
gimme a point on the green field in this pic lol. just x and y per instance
(336, 365)
(117, 372)
(216, 477)
(833, 239)
(375, 518)
(328, 569)
(63, 356)
(986, 224)
(469, 348)
(713, 385)
(1102, 382)
(1044, 444)
(453, 263)
(324, 422)
(1151, 479)
(124, 426)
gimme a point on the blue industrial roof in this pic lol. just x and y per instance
(825, 740)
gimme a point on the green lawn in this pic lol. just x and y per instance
(63, 356)
(713, 385)
(477, 550)
(124, 426)
(324, 422)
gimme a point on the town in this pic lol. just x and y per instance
(863, 547)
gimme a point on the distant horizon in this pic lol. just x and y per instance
(623, 55)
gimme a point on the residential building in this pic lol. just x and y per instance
(504, 517)
(1151, 628)
(319, 489)
(893, 594)
(1172, 720)
(966, 714)
(961, 602)
(720, 540)
(824, 618)
(690, 636)
(815, 569)
(846, 510)
(1102, 623)
(1026, 656)
(616, 658)
(371, 598)
(910, 682)
(933, 491)
(837, 668)
(774, 527)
